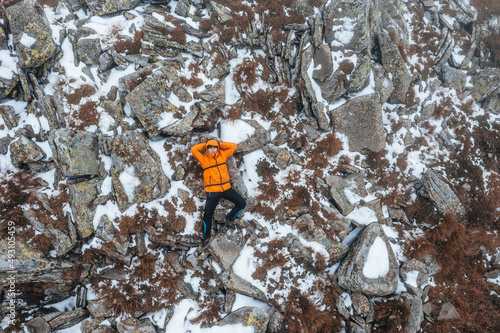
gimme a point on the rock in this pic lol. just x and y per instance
(100, 308)
(367, 132)
(104, 329)
(89, 50)
(416, 315)
(453, 78)
(103, 7)
(277, 323)
(61, 241)
(222, 13)
(182, 8)
(247, 316)
(346, 190)
(32, 34)
(226, 247)
(320, 114)
(38, 325)
(68, 319)
(24, 151)
(4, 144)
(355, 275)
(394, 64)
(75, 152)
(9, 116)
(347, 18)
(150, 103)
(415, 271)
(89, 325)
(360, 77)
(383, 85)
(136, 171)
(448, 312)
(360, 303)
(8, 83)
(83, 195)
(133, 325)
(484, 82)
(335, 248)
(436, 189)
(323, 63)
(232, 281)
(256, 141)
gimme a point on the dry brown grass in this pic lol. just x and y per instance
(51, 3)
(211, 309)
(391, 315)
(271, 258)
(83, 91)
(129, 46)
(304, 316)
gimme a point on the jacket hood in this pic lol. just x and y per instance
(212, 143)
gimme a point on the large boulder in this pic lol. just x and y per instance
(32, 34)
(247, 316)
(103, 7)
(152, 101)
(136, 170)
(484, 82)
(370, 266)
(367, 132)
(76, 153)
(436, 189)
(226, 247)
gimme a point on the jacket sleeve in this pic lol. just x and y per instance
(196, 150)
(228, 148)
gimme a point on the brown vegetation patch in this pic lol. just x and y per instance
(391, 315)
(271, 258)
(52, 212)
(16, 189)
(141, 78)
(128, 46)
(83, 91)
(305, 316)
(211, 310)
(193, 82)
(84, 116)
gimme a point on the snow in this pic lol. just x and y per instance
(377, 261)
(243, 300)
(8, 65)
(362, 215)
(236, 131)
(27, 40)
(411, 278)
(129, 181)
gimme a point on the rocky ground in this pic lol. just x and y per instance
(368, 146)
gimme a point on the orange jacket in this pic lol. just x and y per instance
(215, 174)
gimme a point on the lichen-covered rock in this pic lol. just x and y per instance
(32, 34)
(343, 188)
(416, 312)
(38, 325)
(231, 280)
(247, 316)
(24, 151)
(367, 132)
(89, 50)
(103, 7)
(226, 247)
(355, 272)
(383, 85)
(75, 152)
(395, 65)
(453, 78)
(256, 141)
(68, 319)
(8, 81)
(134, 325)
(136, 170)
(83, 195)
(347, 18)
(101, 308)
(335, 248)
(435, 188)
(150, 103)
(484, 82)
(9, 116)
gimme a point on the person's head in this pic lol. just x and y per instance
(212, 147)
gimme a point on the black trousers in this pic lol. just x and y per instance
(213, 199)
